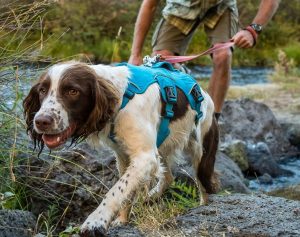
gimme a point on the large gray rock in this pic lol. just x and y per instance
(253, 122)
(74, 181)
(231, 177)
(237, 151)
(262, 162)
(238, 215)
(293, 133)
(16, 223)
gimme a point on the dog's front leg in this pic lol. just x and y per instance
(140, 171)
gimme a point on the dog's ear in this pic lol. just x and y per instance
(105, 98)
(31, 105)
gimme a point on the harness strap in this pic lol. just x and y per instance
(171, 99)
(127, 96)
(196, 93)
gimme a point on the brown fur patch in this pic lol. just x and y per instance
(32, 104)
(180, 108)
(206, 174)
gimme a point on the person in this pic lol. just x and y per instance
(179, 21)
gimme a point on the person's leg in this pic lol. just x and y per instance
(220, 78)
(168, 40)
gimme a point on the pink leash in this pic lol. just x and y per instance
(179, 59)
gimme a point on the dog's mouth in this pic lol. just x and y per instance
(54, 140)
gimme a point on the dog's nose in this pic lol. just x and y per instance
(43, 122)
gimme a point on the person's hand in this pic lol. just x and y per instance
(135, 60)
(243, 39)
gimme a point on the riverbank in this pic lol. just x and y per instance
(284, 103)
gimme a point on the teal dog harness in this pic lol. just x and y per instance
(168, 79)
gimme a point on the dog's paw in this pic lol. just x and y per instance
(94, 232)
(93, 228)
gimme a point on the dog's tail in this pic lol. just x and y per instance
(206, 174)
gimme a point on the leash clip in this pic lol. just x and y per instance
(149, 61)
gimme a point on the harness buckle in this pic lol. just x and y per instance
(149, 61)
(196, 93)
(171, 94)
(169, 114)
(129, 94)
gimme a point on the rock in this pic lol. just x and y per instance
(124, 231)
(253, 122)
(237, 215)
(236, 150)
(230, 175)
(16, 223)
(293, 133)
(265, 179)
(74, 181)
(262, 162)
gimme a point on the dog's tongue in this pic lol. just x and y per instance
(53, 141)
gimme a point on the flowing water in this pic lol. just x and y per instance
(239, 76)
(293, 165)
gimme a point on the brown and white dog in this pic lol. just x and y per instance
(76, 100)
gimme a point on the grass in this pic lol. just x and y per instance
(177, 200)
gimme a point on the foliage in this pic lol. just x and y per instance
(286, 74)
(90, 30)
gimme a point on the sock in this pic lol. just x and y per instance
(217, 115)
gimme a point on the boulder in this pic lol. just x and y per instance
(238, 215)
(16, 223)
(253, 122)
(262, 162)
(237, 151)
(293, 133)
(231, 177)
(74, 181)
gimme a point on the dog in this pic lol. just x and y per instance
(77, 101)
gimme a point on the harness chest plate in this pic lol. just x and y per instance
(168, 79)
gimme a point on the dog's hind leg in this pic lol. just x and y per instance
(205, 170)
(203, 159)
(195, 151)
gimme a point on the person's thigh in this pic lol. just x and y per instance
(224, 30)
(168, 37)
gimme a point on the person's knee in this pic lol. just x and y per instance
(222, 58)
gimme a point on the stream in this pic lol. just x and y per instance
(239, 76)
(292, 164)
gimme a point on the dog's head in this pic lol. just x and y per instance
(69, 101)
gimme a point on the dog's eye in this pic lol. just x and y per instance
(73, 92)
(42, 90)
